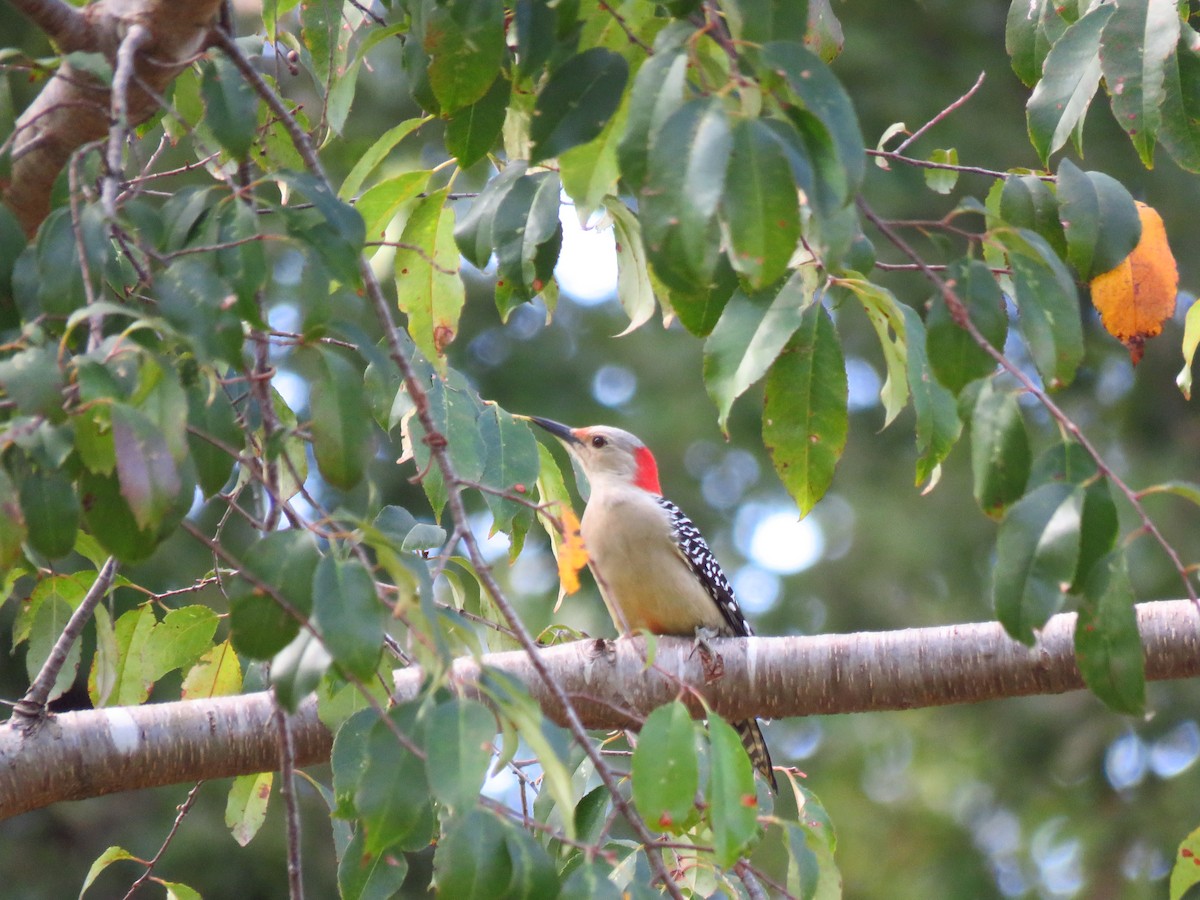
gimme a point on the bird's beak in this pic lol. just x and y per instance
(558, 429)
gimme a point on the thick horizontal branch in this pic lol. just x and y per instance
(85, 754)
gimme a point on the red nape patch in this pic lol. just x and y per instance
(647, 471)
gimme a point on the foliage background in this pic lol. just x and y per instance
(1036, 797)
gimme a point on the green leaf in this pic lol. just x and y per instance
(458, 746)
(527, 235)
(590, 879)
(59, 273)
(1099, 218)
(634, 288)
(658, 91)
(1000, 455)
(1108, 648)
(684, 185)
(938, 424)
(760, 207)
(428, 288)
(699, 310)
(375, 154)
(1186, 872)
(230, 106)
(103, 861)
(12, 525)
(1134, 49)
(884, 312)
(472, 131)
(149, 476)
(589, 172)
(953, 354)
(580, 96)
(380, 203)
(822, 95)
(218, 673)
(284, 561)
(1067, 462)
(32, 379)
(45, 626)
(805, 421)
(321, 32)
(212, 433)
(1032, 28)
(111, 521)
(1027, 202)
(246, 807)
(1070, 76)
(177, 891)
(751, 333)
(511, 464)
(1098, 531)
(392, 796)
(759, 21)
(942, 181)
(473, 233)
(297, 669)
(348, 759)
(732, 799)
(102, 676)
(51, 512)
(455, 408)
(465, 43)
(666, 773)
(366, 876)
(1179, 132)
(1037, 552)
(133, 681)
(471, 859)
(179, 640)
(1049, 306)
(341, 421)
(339, 239)
(348, 614)
(191, 296)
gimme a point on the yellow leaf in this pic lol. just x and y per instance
(1136, 297)
(1191, 340)
(572, 555)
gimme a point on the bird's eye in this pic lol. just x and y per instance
(599, 441)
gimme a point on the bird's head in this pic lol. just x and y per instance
(607, 453)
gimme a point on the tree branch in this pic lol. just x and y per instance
(73, 108)
(94, 752)
(65, 25)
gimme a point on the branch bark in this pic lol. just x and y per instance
(74, 107)
(94, 752)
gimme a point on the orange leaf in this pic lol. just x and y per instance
(572, 555)
(1136, 297)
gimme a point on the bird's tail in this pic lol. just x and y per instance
(756, 747)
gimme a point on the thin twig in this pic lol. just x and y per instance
(119, 124)
(942, 115)
(746, 873)
(958, 311)
(287, 790)
(892, 156)
(183, 810)
(32, 707)
(633, 38)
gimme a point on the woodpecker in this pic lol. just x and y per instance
(652, 565)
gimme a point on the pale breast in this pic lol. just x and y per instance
(645, 581)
